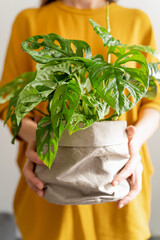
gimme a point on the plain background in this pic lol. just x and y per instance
(9, 173)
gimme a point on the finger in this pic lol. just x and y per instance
(128, 169)
(36, 190)
(131, 130)
(32, 154)
(136, 186)
(34, 182)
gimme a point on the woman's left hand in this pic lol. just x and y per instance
(132, 171)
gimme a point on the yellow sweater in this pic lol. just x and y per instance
(36, 218)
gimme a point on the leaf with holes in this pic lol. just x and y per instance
(48, 48)
(47, 143)
(10, 89)
(12, 105)
(111, 85)
(35, 92)
(145, 49)
(15, 127)
(118, 51)
(154, 71)
(80, 121)
(63, 105)
(152, 90)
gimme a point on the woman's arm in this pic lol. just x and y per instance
(28, 134)
(148, 122)
(28, 130)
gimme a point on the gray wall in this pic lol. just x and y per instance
(9, 172)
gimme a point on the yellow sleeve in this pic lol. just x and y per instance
(16, 61)
(149, 39)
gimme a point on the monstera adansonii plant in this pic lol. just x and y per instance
(80, 88)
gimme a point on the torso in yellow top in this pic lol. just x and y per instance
(38, 219)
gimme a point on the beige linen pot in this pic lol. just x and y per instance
(85, 165)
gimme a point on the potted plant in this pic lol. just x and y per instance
(80, 132)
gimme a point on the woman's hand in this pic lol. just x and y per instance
(132, 171)
(28, 171)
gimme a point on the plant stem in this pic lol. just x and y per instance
(109, 30)
(107, 19)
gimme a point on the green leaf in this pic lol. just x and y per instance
(47, 143)
(63, 105)
(140, 74)
(12, 105)
(80, 121)
(152, 90)
(106, 37)
(10, 89)
(13, 90)
(35, 92)
(111, 84)
(145, 49)
(48, 48)
(118, 51)
(154, 71)
(94, 105)
(15, 127)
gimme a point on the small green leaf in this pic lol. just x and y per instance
(47, 143)
(154, 71)
(10, 89)
(152, 90)
(80, 121)
(63, 105)
(94, 104)
(106, 37)
(15, 127)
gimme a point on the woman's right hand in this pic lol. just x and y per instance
(28, 171)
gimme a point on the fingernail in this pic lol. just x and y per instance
(115, 183)
(40, 194)
(40, 186)
(121, 205)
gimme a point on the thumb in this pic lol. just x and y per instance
(131, 130)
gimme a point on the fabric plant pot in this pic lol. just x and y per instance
(85, 165)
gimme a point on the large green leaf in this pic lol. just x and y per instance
(141, 73)
(47, 143)
(35, 92)
(10, 89)
(63, 105)
(110, 82)
(48, 48)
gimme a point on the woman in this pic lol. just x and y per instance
(38, 219)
